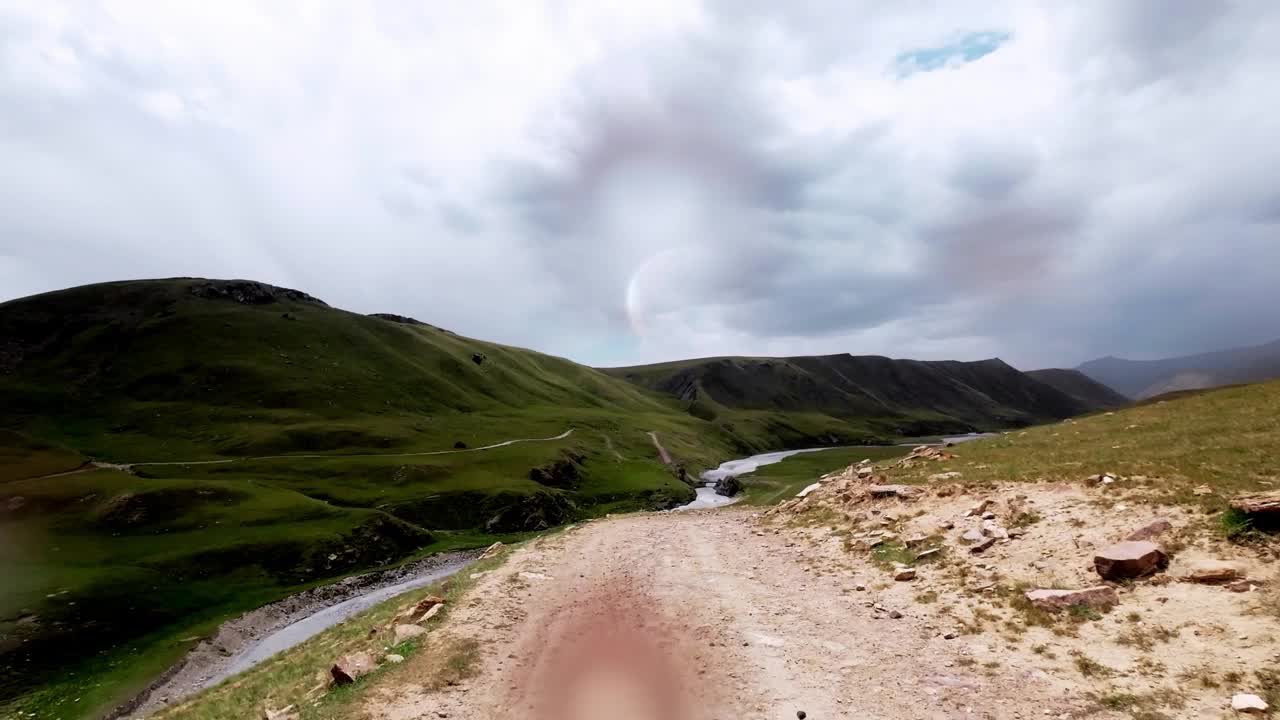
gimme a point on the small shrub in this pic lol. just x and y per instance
(1089, 667)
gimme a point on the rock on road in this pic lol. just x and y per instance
(694, 616)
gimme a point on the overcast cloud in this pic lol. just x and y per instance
(637, 181)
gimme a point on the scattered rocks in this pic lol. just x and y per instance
(1129, 559)
(1248, 703)
(1151, 530)
(350, 668)
(426, 604)
(1101, 598)
(407, 632)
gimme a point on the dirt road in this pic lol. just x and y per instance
(693, 616)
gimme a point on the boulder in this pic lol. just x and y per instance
(1129, 559)
(1101, 598)
(407, 632)
(1248, 703)
(1262, 503)
(1211, 572)
(351, 667)
(1150, 530)
(728, 486)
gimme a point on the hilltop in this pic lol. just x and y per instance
(902, 397)
(1081, 387)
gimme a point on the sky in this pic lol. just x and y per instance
(630, 182)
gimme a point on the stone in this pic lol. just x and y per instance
(988, 515)
(491, 551)
(1248, 703)
(430, 613)
(1211, 572)
(1151, 530)
(808, 489)
(926, 554)
(982, 545)
(978, 509)
(904, 574)
(946, 525)
(865, 470)
(1129, 559)
(936, 477)
(393, 658)
(1243, 585)
(1202, 490)
(1101, 597)
(915, 540)
(993, 530)
(898, 491)
(973, 535)
(285, 713)
(407, 632)
(894, 614)
(1262, 503)
(728, 486)
(427, 603)
(350, 668)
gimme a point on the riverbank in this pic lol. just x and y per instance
(243, 642)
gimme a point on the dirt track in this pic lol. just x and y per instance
(701, 615)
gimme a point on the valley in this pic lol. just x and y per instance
(175, 453)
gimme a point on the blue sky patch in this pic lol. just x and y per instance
(965, 49)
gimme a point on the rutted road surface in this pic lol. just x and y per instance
(694, 616)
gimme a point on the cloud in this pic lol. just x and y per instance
(636, 182)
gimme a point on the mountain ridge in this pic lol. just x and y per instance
(1142, 379)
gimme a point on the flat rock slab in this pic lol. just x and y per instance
(1211, 572)
(1268, 502)
(1101, 597)
(902, 491)
(1129, 559)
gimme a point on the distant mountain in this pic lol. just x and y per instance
(1141, 379)
(1081, 387)
(913, 396)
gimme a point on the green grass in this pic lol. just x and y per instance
(771, 484)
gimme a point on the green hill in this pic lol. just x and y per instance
(881, 395)
(342, 442)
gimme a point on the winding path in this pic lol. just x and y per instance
(126, 467)
(662, 452)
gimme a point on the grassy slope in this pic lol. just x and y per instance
(1228, 439)
(1082, 387)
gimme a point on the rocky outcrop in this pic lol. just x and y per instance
(1129, 559)
(249, 292)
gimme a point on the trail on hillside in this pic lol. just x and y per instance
(126, 467)
(662, 452)
(694, 616)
